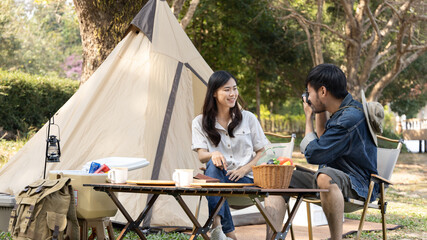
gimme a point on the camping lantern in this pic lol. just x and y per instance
(53, 149)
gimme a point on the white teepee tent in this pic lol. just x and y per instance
(139, 103)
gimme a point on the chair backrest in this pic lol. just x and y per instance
(281, 149)
(387, 158)
(275, 150)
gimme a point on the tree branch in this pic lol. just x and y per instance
(378, 63)
(189, 15)
(373, 22)
(413, 57)
(396, 16)
(176, 7)
(348, 10)
(296, 15)
(416, 48)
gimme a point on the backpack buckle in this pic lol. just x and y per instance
(39, 189)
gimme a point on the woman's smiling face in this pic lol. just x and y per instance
(227, 94)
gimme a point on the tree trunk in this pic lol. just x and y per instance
(317, 38)
(102, 26)
(353, 48)
(258, 92)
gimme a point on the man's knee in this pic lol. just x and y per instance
(275, 202)
(323, 181)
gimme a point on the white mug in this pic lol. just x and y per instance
(118, 175)
(183, 177)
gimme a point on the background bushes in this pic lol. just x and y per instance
(27, 101)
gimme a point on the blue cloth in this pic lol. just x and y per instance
(224, 212)
(346, 145)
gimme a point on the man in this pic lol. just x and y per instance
(342, 147)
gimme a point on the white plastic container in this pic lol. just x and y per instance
(128, 162)
(7, 202)
(90, 203)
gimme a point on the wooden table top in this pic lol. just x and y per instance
(224, 191)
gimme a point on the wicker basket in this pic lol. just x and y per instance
(272, 176)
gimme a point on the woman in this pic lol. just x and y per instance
(229, 140)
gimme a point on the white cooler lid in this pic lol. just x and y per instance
(6, 200)
(128, 162)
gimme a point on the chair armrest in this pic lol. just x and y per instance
(388, 139)
(277, 135)
(377, 178)
(304, 169)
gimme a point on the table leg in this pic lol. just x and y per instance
(292, 215)
(267, 217)
(131, 224)
(198, 228)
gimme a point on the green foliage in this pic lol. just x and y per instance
(287, 119)
(245, 39)
(28, 101)
(37, 37)
(408, 93)
(5, 236)
(9, 43)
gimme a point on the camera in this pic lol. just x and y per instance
(305, 94)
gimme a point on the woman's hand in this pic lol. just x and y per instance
(236, 175)
(219, 160)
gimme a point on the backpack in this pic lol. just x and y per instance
(45, 210)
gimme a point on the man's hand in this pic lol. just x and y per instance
(219, 160)
(307, 109)
(235, 175)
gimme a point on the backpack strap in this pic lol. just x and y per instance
(13, 218)
(73, 230)
(29, 213)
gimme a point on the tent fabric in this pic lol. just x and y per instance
(120, 112)
(166, 123)
(144, 20)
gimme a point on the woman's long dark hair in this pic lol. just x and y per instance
(210, 109)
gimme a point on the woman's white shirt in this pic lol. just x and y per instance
(238, 151)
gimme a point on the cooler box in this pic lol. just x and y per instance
(7, 202)
(90, 203)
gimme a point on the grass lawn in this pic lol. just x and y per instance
(407, 198)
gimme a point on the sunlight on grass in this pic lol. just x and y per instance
(8, 149)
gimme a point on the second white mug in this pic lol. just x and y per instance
(118, 175)
(183, 177)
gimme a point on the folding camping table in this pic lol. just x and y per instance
(253, 193)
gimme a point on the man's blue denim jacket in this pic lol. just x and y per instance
(346, 145)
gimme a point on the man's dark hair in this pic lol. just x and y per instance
(330, 76)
